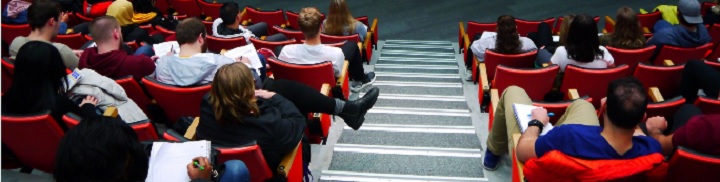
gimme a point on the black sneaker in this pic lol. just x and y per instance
(369, 80)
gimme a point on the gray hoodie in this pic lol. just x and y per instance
(196, 70)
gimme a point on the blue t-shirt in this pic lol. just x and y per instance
(585, 142)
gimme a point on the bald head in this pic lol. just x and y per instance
(102, 28)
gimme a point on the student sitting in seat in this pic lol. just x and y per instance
(582, 47)
(578, 133)
(341, 22)
(313, 51)
(689, 33)
(236, 113)
(628, 33)
(228, 25)
(122, 10)
(145, 12)
(507, 41)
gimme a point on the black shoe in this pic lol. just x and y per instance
(369, 80)
(354, 111)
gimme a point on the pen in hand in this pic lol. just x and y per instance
(549, 114)
(198, 165)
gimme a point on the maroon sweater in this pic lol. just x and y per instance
(117, 64)
(701, 133)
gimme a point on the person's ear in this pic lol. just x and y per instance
(200, 39)
(51, 22)
(116, 33)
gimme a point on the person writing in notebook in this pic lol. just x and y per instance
(578, 132)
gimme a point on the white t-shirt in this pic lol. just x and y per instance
(313, 54)
(561, 58)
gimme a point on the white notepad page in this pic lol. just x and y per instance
(162, 49)
(168, 161)
(522, 114)
(247, 51)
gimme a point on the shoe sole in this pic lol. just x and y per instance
(354, 89)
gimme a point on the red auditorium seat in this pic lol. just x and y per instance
(74, 41)
(165, 32)
(556, 28)
(525, 26)
(665, 78)
(681, 55)
(714, 32)
(216, 44)
(492, 60)
(631, 57)
(33, 139)
(648, 20)
(365, 48)
(208, 26)
(290, 34)
(145, 130)
(338, 44)
(705, 6)
(689, 165)
(591, 82)
(474, 28)
(714, 64)
(9, 32)
(536, 82)
(666, 108)
(609, 25)
(210, 9)
(8, 72)
(176, 101)
(272, 18)
(708, 105)
(186, 7)
(163, 6)
(557, 108)
(292, 19)
(134, 91)
(82, 18)
(148, 28)
(259, 44)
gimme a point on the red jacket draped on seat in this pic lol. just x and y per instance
(556, 166)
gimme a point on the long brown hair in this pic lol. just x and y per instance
(628, 33)
(339, 19)
(565, 28)
(232, 95)
(508, 40)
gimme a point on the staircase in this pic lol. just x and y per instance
(420, 128)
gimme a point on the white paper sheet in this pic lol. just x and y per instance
(168, 161)
(522, 114)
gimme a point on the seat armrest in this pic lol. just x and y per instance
(646, 30)
(573, 94)
(287, 161)
(191, 131)
(494, 99)
(111, 111)
(343, 74)
(668, 62)
(242, 16)
(655, 95)
(483, 75)
(461, 34)
(517, 164)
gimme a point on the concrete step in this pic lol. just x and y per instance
(408, 165)
(380, 118)
(332, 175)
(417, 62)
(391, 89)
(404, 102)
(418, 70)
(381, 134)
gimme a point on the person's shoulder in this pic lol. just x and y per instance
(647, 144)
(576, 128)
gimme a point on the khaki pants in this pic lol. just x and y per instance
(505, 123)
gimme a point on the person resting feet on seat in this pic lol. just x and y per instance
(313, 51)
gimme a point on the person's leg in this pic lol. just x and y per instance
(276, 38)
(277, 50)
(263, 69)
(352, 54)
(259, 29)
(543, 56)
(682, 116)
(146, 50)
(661, 24)
(235, 171)
(504, 125)
(580, 112)
(83, 28)
(698, 75)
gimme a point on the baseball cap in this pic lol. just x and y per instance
(690, 10)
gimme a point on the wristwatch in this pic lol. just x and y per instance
(537, 123)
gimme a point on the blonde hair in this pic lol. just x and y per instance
(232, 95)
(339, 19)
(309, 22)
(564, 28)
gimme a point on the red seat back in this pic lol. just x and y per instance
(715, 33)
(665, 109)
(208, 25)
(9, 32)
(8, 72)
(536, 82)
(492, 60)
(33, 139)
(252, 157)
(272, 18)
(143, 129)
(165, 32)
(82, 17)
(648, 20)
(689, 165)
(680, 55)
(259, 44)
(524, 26)
(186, 7)
(713, 64)
(216, 44)
(314, 75)
(666, 78)
(327, 39)
(162, 5)
(556, 28)
(708, 105)
(134, 91)
(290, 34)
(705, 6)
(74, 41)
(591, 82)
(292, 19)
(364, 20)
(557, 108)
(474, 28)
(210, 9)
(176, 101)
(631, 57)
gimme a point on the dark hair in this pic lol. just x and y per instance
(101, 149)
(583, 44)
(144, 6)
(188, 30)
(626, 102)
(40, 12)
(628, 33)
(508, 40)
(309, 21)
(38, 80)
(101, 28)
(229, 12)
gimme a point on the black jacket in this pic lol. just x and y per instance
(277, 130)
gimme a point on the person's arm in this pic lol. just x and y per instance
(478, 48)
(145, 66)
(338, 64)
(290, 127)
(526, 145)
(655, 127)
(361, 29)
(200, 172)
(86, 108)
(68, 55)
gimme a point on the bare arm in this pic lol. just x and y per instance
(526, 146)
(655, 126)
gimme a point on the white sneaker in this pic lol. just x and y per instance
(468, 75)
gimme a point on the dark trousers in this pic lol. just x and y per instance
(682, 116)
(261, 29)
(698, 75)
(543, 37)
(305, 98)
(352, 54)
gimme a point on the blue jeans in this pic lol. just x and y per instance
(146, 50)
(235, 171)
(661, 24)
(263, 69)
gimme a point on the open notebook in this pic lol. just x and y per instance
(168, 161)
(247, 51)
(522, 114)
(162, 49)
